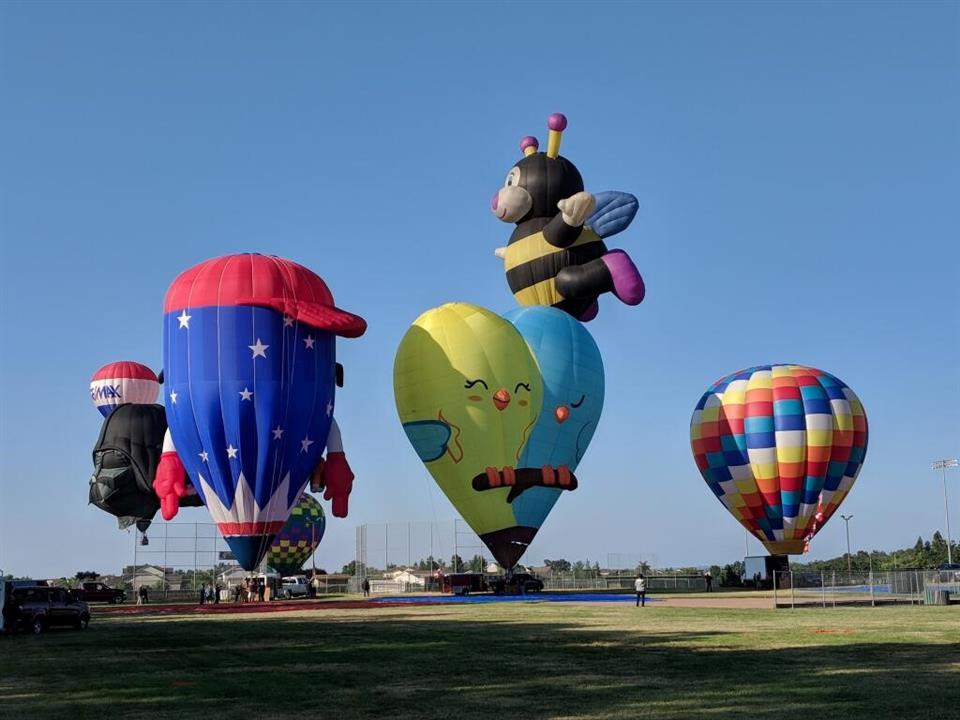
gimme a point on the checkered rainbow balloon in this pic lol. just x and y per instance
(299, 538)
(780, 446)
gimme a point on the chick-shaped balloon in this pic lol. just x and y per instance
(468, 392)
(573, 386)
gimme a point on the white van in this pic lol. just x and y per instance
(294, 586)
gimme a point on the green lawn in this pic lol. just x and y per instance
(495, 661)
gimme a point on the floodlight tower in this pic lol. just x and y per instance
(846, 520)
(942, 466)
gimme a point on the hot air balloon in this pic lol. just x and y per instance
(556, 254)
(127, 453)
(249, 359)
(123, 382)
(299, 537)
(780, 446)
(573, 387)
(468, 392)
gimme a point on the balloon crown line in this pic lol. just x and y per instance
(556, 124)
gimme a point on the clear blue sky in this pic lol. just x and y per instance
(798, 168)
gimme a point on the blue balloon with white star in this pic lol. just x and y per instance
(249, 392)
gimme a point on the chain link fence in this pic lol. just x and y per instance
(830, 589)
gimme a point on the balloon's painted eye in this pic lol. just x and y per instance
(579, 402)
(470, 383)
(526, 386)
(513, 177)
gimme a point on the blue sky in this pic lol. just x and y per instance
(797, 167)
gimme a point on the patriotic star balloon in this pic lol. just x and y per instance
(250, 368)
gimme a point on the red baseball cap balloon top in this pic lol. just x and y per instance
(263, 281)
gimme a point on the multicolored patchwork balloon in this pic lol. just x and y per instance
(118, 383)
(299, 537)
(780, 446)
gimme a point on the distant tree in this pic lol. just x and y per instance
(86, 575)
(644, 568)
(456, 564)
(476, 563)
(731, 575)
(558, 566)
(350, 568)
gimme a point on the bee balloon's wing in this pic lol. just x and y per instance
(428, 437)
(615, 211)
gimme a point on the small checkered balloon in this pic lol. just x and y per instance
(780, 446)
(301, 535)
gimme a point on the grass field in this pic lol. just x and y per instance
(502, 661)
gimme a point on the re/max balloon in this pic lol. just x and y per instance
(250, 369)
(573, 387)
(780, 446)
(123, 382)
(299, 537)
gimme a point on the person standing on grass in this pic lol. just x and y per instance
(203, 594)
(261, 590)
(641, 587)
(366, 587)
(709, 579)
(216, 594)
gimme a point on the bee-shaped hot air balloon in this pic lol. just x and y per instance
(556, 255)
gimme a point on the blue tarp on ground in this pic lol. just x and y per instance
(533, 597)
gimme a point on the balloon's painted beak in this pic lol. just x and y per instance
(561, 413)
(501, 398)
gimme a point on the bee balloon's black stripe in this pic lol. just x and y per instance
(547, 266)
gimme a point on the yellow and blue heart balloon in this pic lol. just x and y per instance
(500, 411)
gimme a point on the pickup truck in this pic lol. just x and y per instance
(40, 607)
(294, 586)
(98, 592)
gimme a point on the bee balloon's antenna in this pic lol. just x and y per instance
(556, 123)
(529, 145)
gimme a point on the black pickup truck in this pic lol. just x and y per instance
(40, 607)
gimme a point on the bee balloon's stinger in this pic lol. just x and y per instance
(556, 123)
(529, 145)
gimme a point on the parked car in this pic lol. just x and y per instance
(294, 586)
(517, 584)
(38, 608)
(98, 592)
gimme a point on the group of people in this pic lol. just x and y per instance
(210, 594)
(252, 590)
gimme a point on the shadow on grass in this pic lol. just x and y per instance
(406, 665)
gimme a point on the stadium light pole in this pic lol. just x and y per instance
(846, 520)
(942, 466)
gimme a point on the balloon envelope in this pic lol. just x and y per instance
(123, 382)
(249, 360)
(468, 392)
(780, 446)
(573, 387)
(299, 537)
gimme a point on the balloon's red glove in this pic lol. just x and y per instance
(170, 484)
(337, 478)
